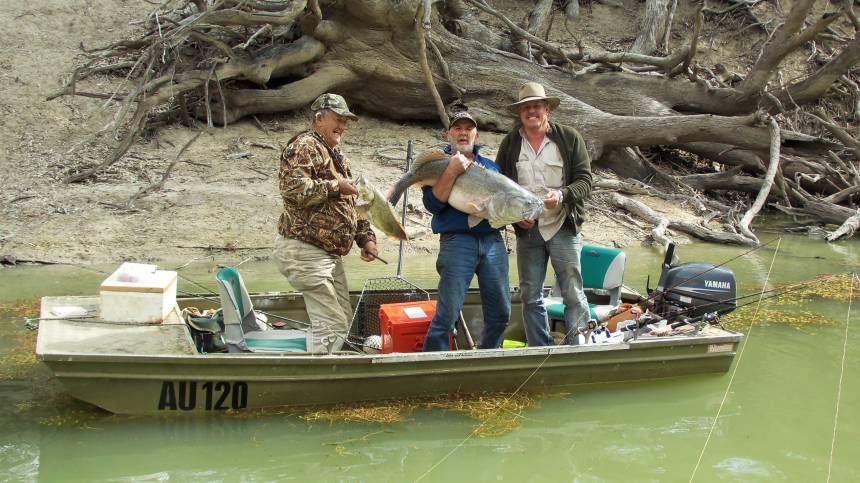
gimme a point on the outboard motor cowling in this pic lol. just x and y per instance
(694, 289)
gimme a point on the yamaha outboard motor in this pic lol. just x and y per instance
(694, 289)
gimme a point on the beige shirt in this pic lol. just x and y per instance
(541, 172)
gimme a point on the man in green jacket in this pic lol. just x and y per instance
(550, 160)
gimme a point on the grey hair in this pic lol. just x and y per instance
(321, 112)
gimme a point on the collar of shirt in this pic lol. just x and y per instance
(483, 161)
(546, 140)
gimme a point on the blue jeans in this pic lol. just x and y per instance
(461, 256)
(563, 251)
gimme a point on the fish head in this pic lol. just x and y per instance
(532, 208)
(513, 206)
(365, 190)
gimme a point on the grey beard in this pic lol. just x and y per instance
(467, 149)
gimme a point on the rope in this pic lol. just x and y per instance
(737, 365)
(841, 375)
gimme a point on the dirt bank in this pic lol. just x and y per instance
(223, 201)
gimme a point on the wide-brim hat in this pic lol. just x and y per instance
(334, 103)
(532, 91)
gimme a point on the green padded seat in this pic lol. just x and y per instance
(602, 272)
(556, 311)
(241, 330)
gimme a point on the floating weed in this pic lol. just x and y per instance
(831, 287)
(498, 414)
(20, 361)
(21, 308)
(739, 320)
(387, 412)
(75, 419)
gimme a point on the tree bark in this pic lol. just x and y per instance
(652, 28)
(210, 58)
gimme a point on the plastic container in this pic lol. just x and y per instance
(138, 293)
(404, 326)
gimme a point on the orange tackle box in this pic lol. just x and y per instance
(404, 326)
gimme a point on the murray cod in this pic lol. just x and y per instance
(373, 206)
(478, 192)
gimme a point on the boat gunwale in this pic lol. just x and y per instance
(393, 358)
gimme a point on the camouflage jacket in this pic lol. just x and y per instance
(314, 211)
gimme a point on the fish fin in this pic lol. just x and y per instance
(428, 156)
(474, 220)
(473, 208)
(496, 223)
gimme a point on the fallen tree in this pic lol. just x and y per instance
(220, 61)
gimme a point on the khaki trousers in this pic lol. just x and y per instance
(320, 277)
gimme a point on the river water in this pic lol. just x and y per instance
(787, 411)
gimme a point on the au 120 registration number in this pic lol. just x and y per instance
(203, 395)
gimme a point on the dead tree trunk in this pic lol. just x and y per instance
(226, 60)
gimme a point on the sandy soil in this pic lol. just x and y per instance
(223, 202)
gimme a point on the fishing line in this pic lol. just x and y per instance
(218, 301)
(483, 423)
(772, 293)
(737, 365)
(549, 354)
(841, 376)
(650, 298)
(268, 314)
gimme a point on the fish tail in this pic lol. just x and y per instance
(398, 189)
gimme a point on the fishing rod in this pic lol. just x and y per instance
(667, 260)
(670, 253)
(353, 344)
(772, 293)
(218, 300)
(403, 213)
(643, 304)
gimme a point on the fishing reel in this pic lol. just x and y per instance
(710, 318)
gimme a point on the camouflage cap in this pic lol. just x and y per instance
(462, 115)
(335, 103)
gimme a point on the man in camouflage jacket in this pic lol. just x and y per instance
(319, 222)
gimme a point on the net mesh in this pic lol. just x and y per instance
(378, 291)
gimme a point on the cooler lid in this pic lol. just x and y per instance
(138, 277)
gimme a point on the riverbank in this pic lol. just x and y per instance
(220, 200)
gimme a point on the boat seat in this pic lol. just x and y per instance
(602, 272)
(242, 331)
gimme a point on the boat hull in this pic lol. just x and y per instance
(195, 384)
(155, 369)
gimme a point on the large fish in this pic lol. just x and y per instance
(478, 192)
(373, 206)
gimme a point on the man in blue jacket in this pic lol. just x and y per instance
(464, 251)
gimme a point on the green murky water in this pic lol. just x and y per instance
(778, 421)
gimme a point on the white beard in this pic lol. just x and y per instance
(465, 148)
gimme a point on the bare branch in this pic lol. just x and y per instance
(548, 46)
(772, 166)
(784, 40)
(420, 32)
(847, 229)
(160, 183)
